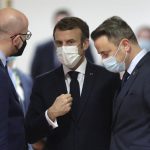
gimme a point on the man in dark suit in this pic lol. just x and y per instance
(45, 58)
(13, 36)
(117, 43)
(80, 120)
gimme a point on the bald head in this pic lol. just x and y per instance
(13, 28)
(12, 21)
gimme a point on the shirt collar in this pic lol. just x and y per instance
(3, 58)
(80, 69)
(136, 59)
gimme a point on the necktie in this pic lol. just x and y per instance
(75, 92)
(125, 77)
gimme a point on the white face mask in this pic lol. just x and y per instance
(68, 55)
(113, 65)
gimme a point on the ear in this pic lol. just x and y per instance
(126, 45)
(86, 44)
(16, 40)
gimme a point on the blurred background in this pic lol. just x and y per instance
(40, 14)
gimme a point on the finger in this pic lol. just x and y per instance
(68, 108)
(68, 100)
(69, 104)
(67, 95)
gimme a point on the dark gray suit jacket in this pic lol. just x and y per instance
(131, 119)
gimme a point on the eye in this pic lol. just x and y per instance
(71, 42)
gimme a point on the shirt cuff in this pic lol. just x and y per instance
(50, 122)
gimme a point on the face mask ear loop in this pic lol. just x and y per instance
(117, 50)
(125, 57)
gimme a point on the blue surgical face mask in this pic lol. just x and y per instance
(144, 44)
(113, 65)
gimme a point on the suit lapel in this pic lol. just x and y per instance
(125, 89)
(62, 89)
(12, 86)
(10, 82)
(122, 94)
(60, 81)
(87, 88)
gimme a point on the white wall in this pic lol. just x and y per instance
(39, 12)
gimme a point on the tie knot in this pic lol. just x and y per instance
(73, 74)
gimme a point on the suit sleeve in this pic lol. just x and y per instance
(36, 124)
(4, 105)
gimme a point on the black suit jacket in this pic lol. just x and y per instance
(12, 136)
(45, 58)
(91, 130)
(131, 121)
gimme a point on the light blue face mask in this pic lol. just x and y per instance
(113, 65)
(144, 44)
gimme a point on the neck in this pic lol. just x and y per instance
(134, 51)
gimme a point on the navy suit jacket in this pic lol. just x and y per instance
(91, 130)
(131, 120)
(12, 135)
(45, 58)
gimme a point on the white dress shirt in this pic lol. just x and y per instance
(136, 59)
(81, 69)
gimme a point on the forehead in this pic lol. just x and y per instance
(67, 34)
(103, 44)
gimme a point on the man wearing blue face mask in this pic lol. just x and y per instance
(72, 105)
(143, 36)
(117, 43)
(111, 64)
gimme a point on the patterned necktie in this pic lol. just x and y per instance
(75, 92)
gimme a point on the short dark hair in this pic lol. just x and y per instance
(69, 23)
(115, 29)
